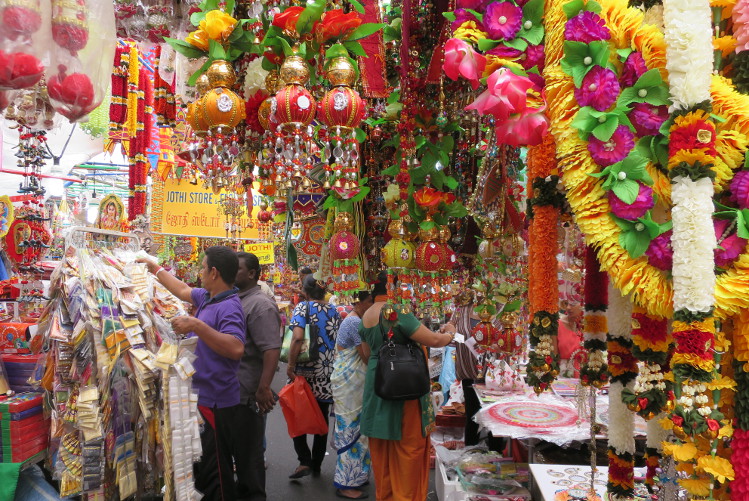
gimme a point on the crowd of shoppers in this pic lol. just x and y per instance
(238, 326)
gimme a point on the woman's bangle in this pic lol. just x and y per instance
(158, 271)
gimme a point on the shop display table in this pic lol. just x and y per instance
(548, 479)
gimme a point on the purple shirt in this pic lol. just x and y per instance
(215, 376)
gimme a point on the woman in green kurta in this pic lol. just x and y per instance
(398, 430)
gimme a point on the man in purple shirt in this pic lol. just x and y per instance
(218, 322)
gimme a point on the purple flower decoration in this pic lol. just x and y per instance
(730, 247)
(659, 253)
(600, 89)
(634, 67)
(502, 20)
(586, 27)
(616, 149)
(476, 5)
(643, 203)
(504, 52)
(461, 16)
(647, 118)
(534, 56)
(740, 189)
(537, 80)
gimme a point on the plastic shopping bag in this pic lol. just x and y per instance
(303, 415)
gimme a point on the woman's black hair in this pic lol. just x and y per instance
(381, 285)
(362, 296)
(312, 288)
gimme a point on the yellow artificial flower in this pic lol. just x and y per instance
(644, 344)
(718, 467)
(721, 383)
(666, 424)
(198, 39)
(696, 486)
(721, 342)
(687, 468)
(680, 452)
(392, 194)
(725, 431)
(693, 360)
(707, 325)
(218, 25)
(470, 32)
(726, 44)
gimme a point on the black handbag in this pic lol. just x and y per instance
(401, 372)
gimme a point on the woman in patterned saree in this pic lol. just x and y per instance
(347, 385)
(317, 373)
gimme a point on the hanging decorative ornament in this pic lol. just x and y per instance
(295, 147)
(70, 24)
(398, 253)
(341, 110)
(344, 251)
(486, 334)
(20, 56)
(221, 110)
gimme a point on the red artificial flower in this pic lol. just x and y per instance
(251, 107)
(688, 138)
(677, 420)
(643, 402)
(695, 342)
(448, 198)
(713, 424)
(335, 24)
(548, 359)
(649, 328)
(403, 178)
(393, 316)
(428, 197)
(287, 19)
(272, 57)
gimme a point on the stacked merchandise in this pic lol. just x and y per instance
(24, 431)
(112, 363)
(22, 371)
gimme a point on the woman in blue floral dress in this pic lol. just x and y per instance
(347, 383)
(317, 373)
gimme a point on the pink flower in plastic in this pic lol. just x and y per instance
(740, 14)
(600, 89)
(502, 20)
(534, 56)
(504, 52)
(730, 247)
(659, 253)
(476, 5)
(643, 203)
(634, 67)
(740, 189)
(461, 16)
(462, 60)
(586, 27)
(527, 129)
(616, 149)
(647, 118)
(505, 95)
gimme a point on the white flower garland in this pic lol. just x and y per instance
(621, 420)
(657, 434)
(693, 242)
(689, 51)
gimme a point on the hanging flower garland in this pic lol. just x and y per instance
(623, 369)
(634, 247)
(120, 72)
(595, 371)
(543, 209)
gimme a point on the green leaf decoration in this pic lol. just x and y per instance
(624, 54)
(365, 30)
(602, 124)
(486, 45)
(533, 35)
(358, 7)
(517, 43)
(626, 190)
(649, 88)
(580, 58)
(573, 8)
(185, 48)
(216, 50)
(456, 209)
(531, 29)
(603, 131)
(427, 225)
(355, 48)
(361, 136)
(309, 16)
(336, 50)
(229, 6)
(654, 148)
(194, 77)
(478, 15)
(450, 16)
(451, 183)
(741, 216)
(390, 171)
(268, 66)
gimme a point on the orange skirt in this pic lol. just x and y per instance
(401, 467)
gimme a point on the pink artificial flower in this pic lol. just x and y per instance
(461, 16)
(462, 60)
(586, 27)
(730, 247)
(647, 119)
(659, 253)
(643, 203)
(534, 56)
(616, 149)
(600, 89)
(502, 20)
(504, 52)
(506, 95)
(526, 129)
(634, 67)
(740, 189)
(476, 5)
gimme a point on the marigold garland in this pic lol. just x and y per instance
(595, 370)
(543, 359)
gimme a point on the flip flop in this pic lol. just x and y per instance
(340, 494)
(300, 472)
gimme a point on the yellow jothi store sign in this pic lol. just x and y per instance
(192, 210)
(263, 251)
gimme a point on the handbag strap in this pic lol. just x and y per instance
(306, 314)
